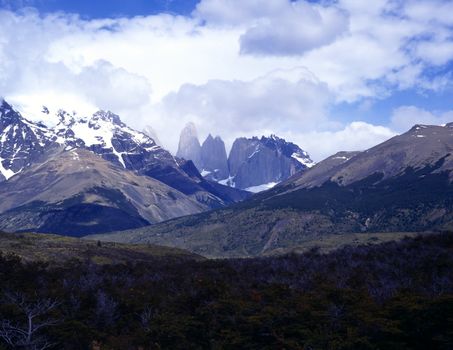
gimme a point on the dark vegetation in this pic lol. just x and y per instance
(396, 295)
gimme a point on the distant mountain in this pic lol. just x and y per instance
(104, 134)
(189, 146)
(214, 159)
(254, 164)
(267, 161)
(402, 185)
(26, 148)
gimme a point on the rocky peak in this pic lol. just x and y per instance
(21, 141)
(45, 110)
(107, 116)
(150, 132)
(8, 115)
(189, 146)
(65, 118)
(214, 159)
(257, 162)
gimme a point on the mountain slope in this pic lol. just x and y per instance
(75, 192)
(422, 145)
(404, 184)
(24, 143)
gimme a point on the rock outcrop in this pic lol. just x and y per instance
(269, 160)
(189, 146)
(214, 159)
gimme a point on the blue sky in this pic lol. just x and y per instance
(328, 75)
(106, 8)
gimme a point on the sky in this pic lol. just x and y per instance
(329, 75)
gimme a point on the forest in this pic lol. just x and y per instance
(394, 295)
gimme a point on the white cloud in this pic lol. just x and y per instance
(356, 136)
(278, 103)
(233, 12)
(437, 52)
(404, 117)
(279, 27)
(29, 79)
(429, 11)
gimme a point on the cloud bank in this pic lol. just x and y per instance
(237, 67)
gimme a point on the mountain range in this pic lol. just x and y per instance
(401, 185)
(253, 164)
(94, 174)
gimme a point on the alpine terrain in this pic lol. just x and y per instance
(254, 164)
(94, 174)
(401, 185)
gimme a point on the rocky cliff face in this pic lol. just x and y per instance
(269, 160)
(189, 146)
(254, 164)
(21, 141)
(214, 159)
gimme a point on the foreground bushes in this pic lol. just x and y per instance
(390, 296)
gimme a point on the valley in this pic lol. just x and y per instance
(226, 175)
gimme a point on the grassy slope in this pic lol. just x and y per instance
(239, 236)
(45, 247)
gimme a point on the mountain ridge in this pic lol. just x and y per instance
(253, 164)
(417, 197)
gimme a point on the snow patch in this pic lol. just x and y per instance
(205, 173)
(260, 188)
(75, 155)
(255, 152)
(5, 132)
(7, 173)
(229, 181)
(303, 160)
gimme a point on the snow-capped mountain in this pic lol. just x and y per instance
(21, 141)
(259, 163)
(24, 143)
(105, 134)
